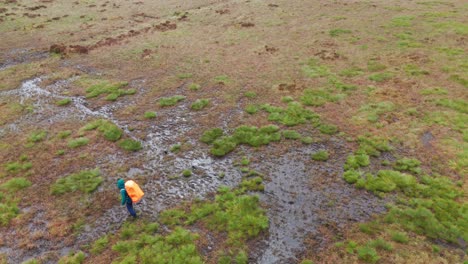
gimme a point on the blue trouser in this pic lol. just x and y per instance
(130, 208)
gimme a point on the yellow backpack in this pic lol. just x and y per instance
(134, 191)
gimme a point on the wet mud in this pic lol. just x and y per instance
(19, 56)
(300, 195)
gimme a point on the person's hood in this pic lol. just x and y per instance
(121, 184)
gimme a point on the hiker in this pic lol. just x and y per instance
(126, 198)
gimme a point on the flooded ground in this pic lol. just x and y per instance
(301, 195)
(391, 70)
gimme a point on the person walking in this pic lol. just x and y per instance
(126, 198)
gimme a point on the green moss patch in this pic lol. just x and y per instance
(84, 181)
(199, 104)
(109, 130)
(78, 142)
(113, 90)
(130, 145)
(321, 155)
(170, 101)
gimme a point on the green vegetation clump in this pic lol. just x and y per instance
(293, 115)
(99, 245)
(431, 209)
(291, 134)
(409, 165)
(194, 87)
(458, 105)
(321, 155)
(175, 148)
(381, 77)
(380, 244)
(64, 134)
(73, 258)
(245, 161)
(414, 70)
(78, 142)
(249, 135)
(15, 184)
(211, 135)
(328, 129)
(317, 97)
(222, 79)
(307, 140)
(252, 109)
(373, 111)
(170, 101)
(130, 145)
(368, 254)
(178, 246)
(63, 102)
(109, 130)
(313, 69)
(254, 184)
(338, 31)
(199, 104)
(15, 167)
(37, 136)
(338, 84)
(113, 90)
(400, 237)
(287, 99)
(187, 173)
(351, 176)
(150, 115)
(373, 145)
(386, 181)
(250, 94)
(85, 181)
(357, 160)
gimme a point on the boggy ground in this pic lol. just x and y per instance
(393, 69)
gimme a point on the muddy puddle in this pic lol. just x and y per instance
(301, 195)
(18, 56)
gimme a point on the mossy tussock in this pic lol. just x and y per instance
(9, 198)
(85, 181)
(112, 90)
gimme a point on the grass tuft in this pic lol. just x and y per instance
(37, 136)
(85, 181)
(186, 173)
(170, 101)
(63, 102)
(130, 145)
(113, 90)
(328, 129)
(321, 155)
(211, 135)
(78, 142)
(109, 130)
(291, 134)
(199, 104)
(150, 115)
